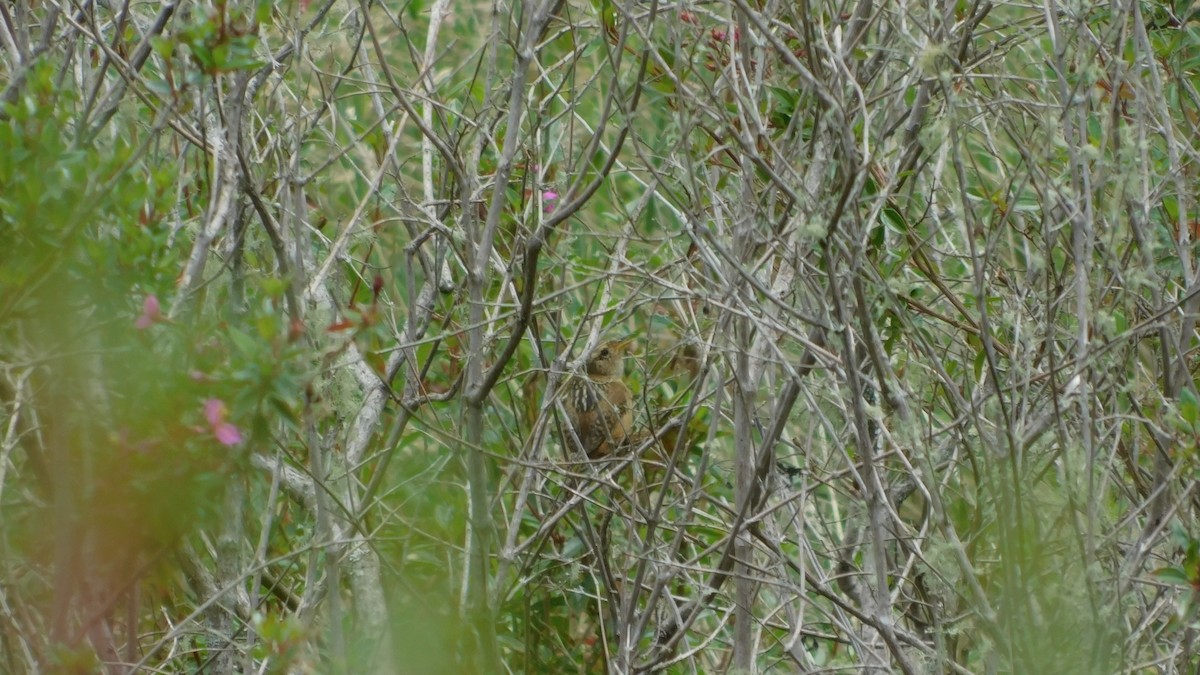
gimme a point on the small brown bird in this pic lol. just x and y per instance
(600, 406)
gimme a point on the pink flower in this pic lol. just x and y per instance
(225, 433)
(214, 411)
(151, 313)
(548, 198)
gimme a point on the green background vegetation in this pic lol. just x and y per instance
(914, 291)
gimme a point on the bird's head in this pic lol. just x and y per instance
(608, 358)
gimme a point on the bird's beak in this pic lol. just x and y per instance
(622, 345)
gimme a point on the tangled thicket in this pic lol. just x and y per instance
(289, 292)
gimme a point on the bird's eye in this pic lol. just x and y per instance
(604, 353)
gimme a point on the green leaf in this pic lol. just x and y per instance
(1172, 575)
(245, 344)
(1189, 407)
(262, 11)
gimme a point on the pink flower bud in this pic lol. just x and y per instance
(214, 411)
(227, 434)
(151, 313)
(224, 432)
